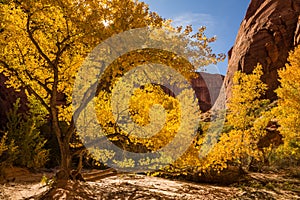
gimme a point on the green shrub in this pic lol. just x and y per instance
(8, 153)
(22, 131)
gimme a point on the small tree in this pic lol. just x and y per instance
(288, 109)
(22, 130)
(3, 146)
(244, 117)
(21, 143)
(8, 153)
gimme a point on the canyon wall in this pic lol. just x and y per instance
(207, 88)
(270, 29)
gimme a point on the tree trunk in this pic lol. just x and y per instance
(63, 138)
(65, 172)
(65, 163)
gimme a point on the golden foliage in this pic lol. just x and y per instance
(288, 110)
(244, 115)
(43, 43)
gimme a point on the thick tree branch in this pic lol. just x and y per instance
(28, 87)
(60, 50)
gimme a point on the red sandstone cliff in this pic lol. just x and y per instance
(207, 88)
(271, 29)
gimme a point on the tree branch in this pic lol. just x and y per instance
(38, 81)
(30, 34)
(28, 87)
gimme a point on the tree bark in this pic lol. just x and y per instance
(65, 165)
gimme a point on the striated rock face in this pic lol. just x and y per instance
(207, 88)
(271, 29)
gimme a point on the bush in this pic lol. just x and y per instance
(25, 144)
(8, 153)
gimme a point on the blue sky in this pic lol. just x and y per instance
(222, 18)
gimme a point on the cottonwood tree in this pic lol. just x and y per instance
(288, 110)
(44, 42)
(141, 102)
(245, 117)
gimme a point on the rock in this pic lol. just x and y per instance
(207, 88)
(268, 32)
(272, 137)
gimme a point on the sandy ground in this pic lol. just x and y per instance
(130, 186)
(14, 191)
